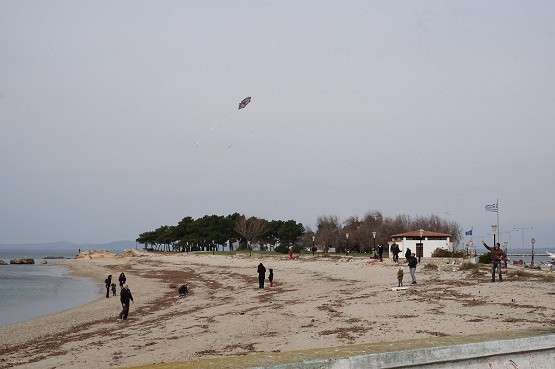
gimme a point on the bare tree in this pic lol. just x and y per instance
(328, 231)
(372, 222)
(352, 225)
(252, 228)
(307, 238)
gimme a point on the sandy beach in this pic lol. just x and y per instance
(317, 302)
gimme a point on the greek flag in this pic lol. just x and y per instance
(468, 233)
(492, 207)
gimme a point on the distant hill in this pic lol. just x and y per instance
(63, 245)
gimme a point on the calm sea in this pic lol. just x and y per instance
(540, 254)
(30, 291)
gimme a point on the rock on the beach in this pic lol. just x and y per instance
(23, 261)
(132, 253)
(94, 254)
(2, 262)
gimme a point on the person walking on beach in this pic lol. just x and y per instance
(261, 275)
(395, 251)
(122, 280)
(271, 278)
(108, 284)
(125, 298)
(413, 261)
(113, 289)
(497, 255)
(400, 277)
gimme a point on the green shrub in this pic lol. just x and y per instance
(281, 249)
(442, 253)
(284, 249)
(485, 258)
(297, 249)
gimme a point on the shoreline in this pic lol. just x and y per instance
(316, 302)
(34, 291)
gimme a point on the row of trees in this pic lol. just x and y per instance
(331, 232)
(356, 234)
(212, 231)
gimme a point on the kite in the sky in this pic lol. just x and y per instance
(244, 102)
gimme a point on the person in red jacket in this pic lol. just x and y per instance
(497, 255)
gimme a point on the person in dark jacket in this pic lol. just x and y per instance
(413, 261)
(407, 254)
(380, 252)
(395, 252)
(183, 291)
(125, 298)
(497, 255)
(122, 280)
(271, 277)
(108, 284)
(261, 275)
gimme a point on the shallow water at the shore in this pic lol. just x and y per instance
(30, 291)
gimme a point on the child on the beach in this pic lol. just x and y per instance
(400, 277)
(113, 289)
(271, 277)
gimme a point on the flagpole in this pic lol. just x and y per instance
(472, 241)
(497, 205)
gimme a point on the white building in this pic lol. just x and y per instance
(423, 246)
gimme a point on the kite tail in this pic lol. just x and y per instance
(211, 128)
(236, 141)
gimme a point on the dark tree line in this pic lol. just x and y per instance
(212, 231)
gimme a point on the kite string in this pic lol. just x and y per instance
(235, 142)
(212, 128)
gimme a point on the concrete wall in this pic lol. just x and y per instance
(522, 353)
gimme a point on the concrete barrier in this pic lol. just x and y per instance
(523, 349)
(522, 353)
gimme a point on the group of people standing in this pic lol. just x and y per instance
(262, 276)
(109, 285)
(125, 293)
(412, 262)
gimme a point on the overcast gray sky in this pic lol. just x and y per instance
(407, 107)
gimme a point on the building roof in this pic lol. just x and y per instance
(416, 234)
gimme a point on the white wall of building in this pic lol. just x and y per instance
(429, 246)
